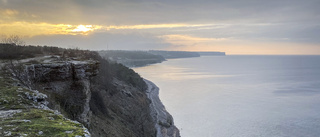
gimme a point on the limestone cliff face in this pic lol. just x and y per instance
(107, 108)
(120, 112)
(63, 70)
(68, 84)
(164, 123)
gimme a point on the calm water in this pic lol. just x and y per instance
(241, 96)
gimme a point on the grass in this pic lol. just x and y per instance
(37, 122)
(31, 121)
(12, 97)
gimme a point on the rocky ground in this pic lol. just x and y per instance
(164, 121)
(24, 112)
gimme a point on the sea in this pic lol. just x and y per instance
(240, 95)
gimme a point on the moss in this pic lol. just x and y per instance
(36, 122)
(31, 121)
(12, 97)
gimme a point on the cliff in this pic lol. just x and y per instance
(212, 53)
(143, 58)
(108, 99)
(24, 112)
(164, 121)
(131, 58)
(174, 54)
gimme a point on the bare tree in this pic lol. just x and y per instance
(13, 39)
(18, 71)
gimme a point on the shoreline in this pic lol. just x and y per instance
(164, 121)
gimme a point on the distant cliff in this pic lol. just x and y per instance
(143, 58)
(174, 54)
(132, 58)
(211, 53)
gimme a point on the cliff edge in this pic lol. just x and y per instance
(164, 121)
(108, 99)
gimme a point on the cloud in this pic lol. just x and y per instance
(211, 24)
(33, 29)
(188, 40)
(128, 12)
(8, 12)
(29, 29)
(4, 1)
(100, 41)
(157, 26)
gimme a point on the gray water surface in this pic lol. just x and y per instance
(241, 96)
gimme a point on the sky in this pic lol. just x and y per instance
(254, 27)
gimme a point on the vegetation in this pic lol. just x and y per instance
(212, 53)
(130, 54)
(37, 122)
(12, 51)
(72, 100)
(174, 54)
(12, 97)
(29, 121)
(13, 39)
(108, 70)
(131, 58)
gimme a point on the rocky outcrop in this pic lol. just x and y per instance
(24, 112)
(121, 110)
(63, 70)
(67, 82)
(107, 107)
(163, 120)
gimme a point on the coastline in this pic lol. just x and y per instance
(164, 121)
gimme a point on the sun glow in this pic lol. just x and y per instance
(82, 28)
(34, 29)
(43, 28)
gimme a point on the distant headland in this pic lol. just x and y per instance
(132, 58)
